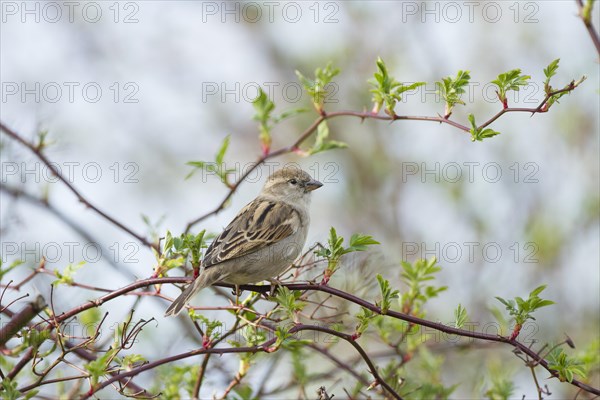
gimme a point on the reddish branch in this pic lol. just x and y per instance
(264, 347)
(314, 287)
(364, 115)
(267, 345)
(284, 150)
(422, 322)
(71, 347)
(539, 109)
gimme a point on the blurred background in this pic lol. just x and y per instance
(131, 91)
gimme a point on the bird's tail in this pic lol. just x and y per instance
(206, 278)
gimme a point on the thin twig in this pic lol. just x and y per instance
(362, 115)
(338, 293)
(72, 348)
(51, 166)
(259, 162)
(585, 13)
(18, 194)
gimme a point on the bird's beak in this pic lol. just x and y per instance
(312, 185)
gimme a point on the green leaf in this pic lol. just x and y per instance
(129, 361)
(478, 134)
(217, 167)
(10, 389)
(545, 303)
(263, 107)
(511, 80)
(551, 69)
(415, 276)
(299, 361)
(13, 265)
(451, 88)
(549, 72)
(222, 150)
(521, 309)
(335, 249)
(387, 90)
(100, 366)
(177, 249)
(317, 88)
(359, 242)
(210, 327)
(175, 379)
(195, 244)
(66, 276)
(321, 142)
(288, 114)
(460, 316)
(364, 318)
(197, 164)
(288, 300)
(282, 333)
(537, 290)
(590, 357)
(387, 294)
(254, 337)
(31, 337)
(503, 387)
(89, 319)
(243, 392)
(566, 367)
(501, 300)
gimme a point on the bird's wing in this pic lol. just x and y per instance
(261, 223)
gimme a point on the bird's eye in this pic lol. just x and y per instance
(293, 181)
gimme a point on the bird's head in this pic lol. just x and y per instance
(290, 184)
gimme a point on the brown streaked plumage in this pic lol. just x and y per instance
(266, 222)
(263, 239)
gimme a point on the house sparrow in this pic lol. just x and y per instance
(262, 240)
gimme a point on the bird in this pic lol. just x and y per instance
(263, 239)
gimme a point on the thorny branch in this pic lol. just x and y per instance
(266, 346)
(52, 325)
(363, 115)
